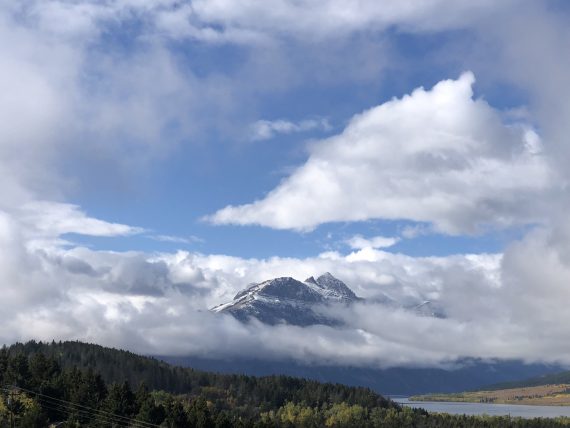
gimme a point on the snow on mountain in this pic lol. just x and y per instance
(287, 300)
(331, 288)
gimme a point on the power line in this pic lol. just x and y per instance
(82, 408)
(101, 415)
(69, 411)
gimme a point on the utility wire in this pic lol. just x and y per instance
(69, 409)
(82, 408)
(96, 417)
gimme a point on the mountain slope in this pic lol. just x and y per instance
(287, 300)
(117, 366)
(41, 385)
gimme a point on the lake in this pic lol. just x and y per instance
(522, 411)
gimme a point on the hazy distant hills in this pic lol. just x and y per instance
(473, 374)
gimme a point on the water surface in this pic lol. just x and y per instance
(522, 411)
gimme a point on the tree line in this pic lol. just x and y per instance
(81, 385)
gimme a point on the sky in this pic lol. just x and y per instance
(157, 156)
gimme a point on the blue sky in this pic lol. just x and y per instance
(206, 172)
(159, 155)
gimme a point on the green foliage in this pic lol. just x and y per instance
(344, 415)
(120, 400)
(89, 386)
(298, 415)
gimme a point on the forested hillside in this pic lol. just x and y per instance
(92, 386)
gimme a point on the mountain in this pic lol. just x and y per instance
(287, 300)
(291, 301)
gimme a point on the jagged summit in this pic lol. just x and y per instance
(288, 300)
(311, 280)
(335, 287)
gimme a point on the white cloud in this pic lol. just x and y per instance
(75, 104)
(358, 242)
(434, 156)
(157, 303)
(413, 231)
(176, 239)
(52, 219)
(252, 22)
(334, 18)
(267, 129)
(529, 56)
(536, 274)
(70, 100)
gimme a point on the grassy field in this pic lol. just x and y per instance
(545, 395)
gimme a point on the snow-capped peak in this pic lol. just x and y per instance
(311, 280)
(335, 288)
(287, 299)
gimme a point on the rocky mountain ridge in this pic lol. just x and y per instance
(287, 300)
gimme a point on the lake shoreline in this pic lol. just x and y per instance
(466, 408)
(541, 395)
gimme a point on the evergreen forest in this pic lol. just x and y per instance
(74, 384)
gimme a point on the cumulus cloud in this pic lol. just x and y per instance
(436, 156)
(358, 242)
(157, 303)
(52, 219)
(72, 100)
(267, 129)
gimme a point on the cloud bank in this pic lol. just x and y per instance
(436, 156)
(158, 303)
